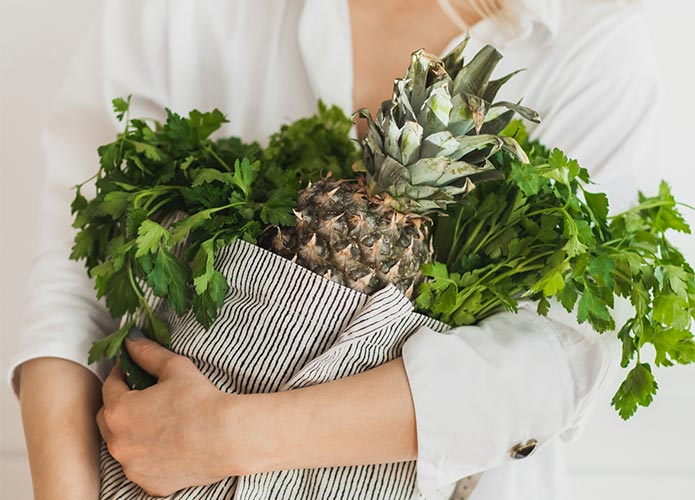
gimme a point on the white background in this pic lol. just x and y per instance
(651, 456)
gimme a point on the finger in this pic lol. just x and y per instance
(149, 355)
(114, 385)
(103, 428)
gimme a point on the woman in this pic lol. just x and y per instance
(477, 400)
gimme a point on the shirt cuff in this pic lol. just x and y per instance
(480, 390)
(54, 349)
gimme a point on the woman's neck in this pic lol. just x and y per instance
(384, 33)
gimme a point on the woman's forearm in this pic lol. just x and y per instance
(59, 401)
(364, 419)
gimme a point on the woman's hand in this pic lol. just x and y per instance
(184, 432)
(174, 434)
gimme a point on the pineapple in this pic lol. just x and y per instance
(427, 147)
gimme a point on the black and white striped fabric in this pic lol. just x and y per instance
(284, 327)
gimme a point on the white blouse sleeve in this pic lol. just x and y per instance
(480, 390)
(62, 317)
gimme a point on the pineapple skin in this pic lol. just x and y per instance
(355, 238)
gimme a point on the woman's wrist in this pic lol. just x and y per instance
(364, 419)
(253, 429)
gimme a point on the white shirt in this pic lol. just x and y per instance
(478, 390)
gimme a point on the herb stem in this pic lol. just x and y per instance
(543, 211)
(490, 237)
(653, 204)
(217, 157)
(514, 271)
(78, 186)
(458, 228)
(153, 193)
(133, 283)
(159, 205)
(124, 134)
(468, 240)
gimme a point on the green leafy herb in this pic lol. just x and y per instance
(168, 197)
(539, 234)
(310, 147)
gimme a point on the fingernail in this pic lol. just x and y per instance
(135, 334)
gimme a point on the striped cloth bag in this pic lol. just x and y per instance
(283, 327)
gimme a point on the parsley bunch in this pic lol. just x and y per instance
(539, 233)
(168, 197)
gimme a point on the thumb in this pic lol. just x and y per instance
(149, 355)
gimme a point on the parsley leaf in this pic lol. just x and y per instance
(638, 389)
(151, 237)
(538, 234)
(169, 278)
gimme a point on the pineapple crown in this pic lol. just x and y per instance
(430, 143)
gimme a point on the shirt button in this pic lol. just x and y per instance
(524, 450)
